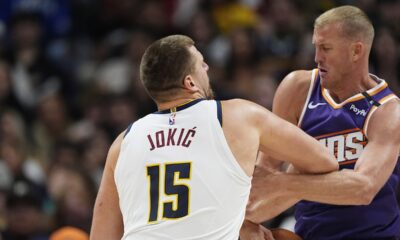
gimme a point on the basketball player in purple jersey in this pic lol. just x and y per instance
(357, 117)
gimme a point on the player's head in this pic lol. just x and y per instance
(172, 67)
(343, 38)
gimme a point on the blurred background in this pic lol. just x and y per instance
(69, 84)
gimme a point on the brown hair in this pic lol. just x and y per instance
(353, 21)
(164, 65)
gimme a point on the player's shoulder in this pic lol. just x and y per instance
(241, 106)
(296, 81)
(387, 115)
(384, 121)
(291, 95)
(241, 111)
(389, 109)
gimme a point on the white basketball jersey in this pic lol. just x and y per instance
(178, 179)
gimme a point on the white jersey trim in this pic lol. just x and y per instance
(376, 89)
(314, 75)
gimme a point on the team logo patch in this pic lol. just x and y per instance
(346, 145)
(172, 118)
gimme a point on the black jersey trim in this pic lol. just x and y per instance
(370, 99)
(128, 129)
(219, 112)
(181, 107)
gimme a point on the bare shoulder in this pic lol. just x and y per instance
(242, 109)
(384, 123)
(291, 95)
(244, 115)
(239, 104)
(295, 84)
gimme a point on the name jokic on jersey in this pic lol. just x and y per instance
(345, 145)
(171, 137)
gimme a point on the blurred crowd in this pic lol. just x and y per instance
(69, 83)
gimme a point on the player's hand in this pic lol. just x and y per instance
(252, 231)
(265, 182)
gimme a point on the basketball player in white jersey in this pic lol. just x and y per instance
(184, 172)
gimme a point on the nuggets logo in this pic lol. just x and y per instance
(347, 145)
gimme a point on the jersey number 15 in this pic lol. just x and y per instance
(173, 174)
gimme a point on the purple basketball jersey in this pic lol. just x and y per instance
(343, 128)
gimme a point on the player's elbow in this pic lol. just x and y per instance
(331, 164)
(326, 165)
(367, 193)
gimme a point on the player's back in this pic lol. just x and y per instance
(177, 178)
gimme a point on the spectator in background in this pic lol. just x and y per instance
(25, 214)
(73, 192)
(242, 61)
(204, 31)
(386, 59)
(8, 99)
(32, 74)
(15, 152)
(153, 17)
(50, 126)
(94, 154)
(230, 14)
(55, 14)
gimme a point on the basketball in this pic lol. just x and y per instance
(69, 233)
(283, 234)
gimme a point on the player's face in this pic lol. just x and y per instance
(200, 74)
(332, 54)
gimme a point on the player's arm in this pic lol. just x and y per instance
(107, 219)
(283, 140)
(266, 200)
(373, 168)
(288, 104)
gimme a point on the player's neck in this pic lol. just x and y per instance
(351, 86)
(176, 102)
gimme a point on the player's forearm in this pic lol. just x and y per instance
(269, 196)
(341, 188)
(268, 208)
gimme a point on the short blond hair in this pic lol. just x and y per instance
(354, 23)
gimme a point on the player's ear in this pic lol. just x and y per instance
(189, 83)
(357, 50)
